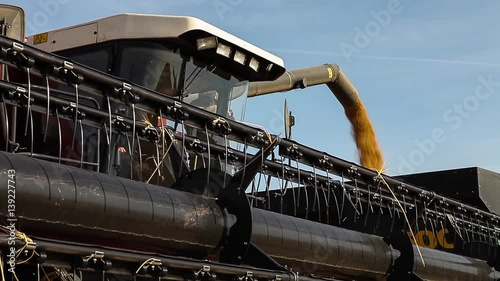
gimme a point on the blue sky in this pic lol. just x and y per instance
(420, 71)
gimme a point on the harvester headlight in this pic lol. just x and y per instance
(206, 43)
(254, 64)
(240, 57)
(224, 50)
(269, 67)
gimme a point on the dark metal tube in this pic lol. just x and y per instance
(443, 266)
(329, 74)
(71, 202)
(168, 261)
(315, 248)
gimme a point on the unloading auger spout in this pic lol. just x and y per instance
(370, 154)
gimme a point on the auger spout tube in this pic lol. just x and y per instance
(329, 74)
(370, 155)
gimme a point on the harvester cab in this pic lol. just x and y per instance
(180, 57)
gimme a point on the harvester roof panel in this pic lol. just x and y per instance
(145, 26)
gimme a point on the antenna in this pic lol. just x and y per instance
(289, 121)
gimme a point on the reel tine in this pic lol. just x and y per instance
(298, 184)
(204, 162)
(255, 191)
(158, 163)
(358, 197)
(76, 116)
(416, 215)
(327, 204)
(433, 228)
(60, 134)
(252, 198)
(109, 133)
(368, 204)
(327, 197)
(48, 109)
(389, 210)
(162, 132)
(482, 230)
(282, 197)
(339, 215)
(139, 150)
(379, 215)
(28, 111)
(394, 210)
(129, 151)
(283, 184)
(134, 119)
(454, 223)
(245, 151)
(37, 271)
(208, 150)
(183, 149)
(257, 188)
(381, 203)
(316, 194)
(404, 209)
(471, 223)
(353, 203)
(294, 195)
(425, 217)
(445, 217)
(268, 194)
(464, 226)
(98, 149)
(438, 218)
(31, 133)
(381, 200)
(6, 124)
(342, 186)
(488, 228)
(306, 197)
(225, 157)
(81, 143)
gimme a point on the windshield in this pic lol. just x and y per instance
(172, 72)
(193, 80)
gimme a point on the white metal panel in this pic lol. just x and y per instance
(141, 26)
(74, 37)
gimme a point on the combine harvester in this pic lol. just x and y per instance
(125, 157)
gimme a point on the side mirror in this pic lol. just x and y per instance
(12, 22)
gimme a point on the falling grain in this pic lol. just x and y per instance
(370, 155)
